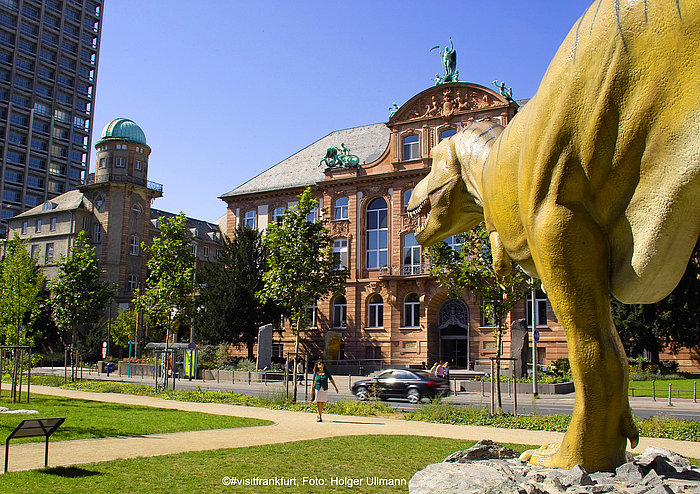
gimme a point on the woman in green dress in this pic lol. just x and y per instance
(319, 390)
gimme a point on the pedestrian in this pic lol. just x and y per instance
(446, 370)
(319, 390)
(300, 370)
(440, 370)
(433, 369)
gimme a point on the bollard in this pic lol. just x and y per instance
(653, 389)
(233, 376)
(695, 391)
(669, 395)
(482, 388)
(349, 381)
(217, 376)
(248, 378)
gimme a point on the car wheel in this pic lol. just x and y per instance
(361, 393)
(413, 396)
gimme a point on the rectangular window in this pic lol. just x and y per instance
(38, 225)
(138, 165)
(32, 200)
(10, 195)
(49, 253)
(52, 227)
(340, 253)
(249, 219)
(134, 245)
(36, 182)
(13, 177)
(540, 308)
(34, 251)
(411, 148)
(120, 162)
(25, 224)
(206, 251)
(96, 233)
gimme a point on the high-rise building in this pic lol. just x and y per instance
(48, 67)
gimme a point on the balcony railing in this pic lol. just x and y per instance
(124, 179)
(405, 270)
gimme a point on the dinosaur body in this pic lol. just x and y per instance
(594, 187)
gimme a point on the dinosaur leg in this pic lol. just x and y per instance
(571, 255)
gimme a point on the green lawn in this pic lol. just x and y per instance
(359, 457)
(90, 419)
(685, 386)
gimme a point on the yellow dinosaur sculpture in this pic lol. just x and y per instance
(594, 187)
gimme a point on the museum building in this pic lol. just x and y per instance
(392, 310)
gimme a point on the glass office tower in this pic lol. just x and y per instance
(48, 67)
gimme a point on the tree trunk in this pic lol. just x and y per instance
(296, 351)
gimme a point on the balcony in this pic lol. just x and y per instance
(404, 270)
(126, 179)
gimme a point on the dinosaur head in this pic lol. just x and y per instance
(443, 196)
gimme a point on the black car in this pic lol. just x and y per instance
(412, 385)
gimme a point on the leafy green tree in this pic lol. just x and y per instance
(230, 311)
(168, 294)
(672, 323)
(301, 266)
(21, 287)
(471, 268)
(79, 294)
(123, 329)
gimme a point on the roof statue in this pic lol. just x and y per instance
(339, 158)
(449, 63)
(393, 109)
(506, 92)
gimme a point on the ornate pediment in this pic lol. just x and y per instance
(446, 100)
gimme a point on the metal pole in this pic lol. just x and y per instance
(493, 403)
(669, 395)
(129, 366)
(695, 391)
(515, 390)
(653, 389)
(534, 342)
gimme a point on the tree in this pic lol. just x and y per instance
(230, 311)
(673, 322)
(471, 268)
(21, 286)
(124, 327)
(78, 294)
(301, 266)
(168, 293)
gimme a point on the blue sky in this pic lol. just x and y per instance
(224, 89)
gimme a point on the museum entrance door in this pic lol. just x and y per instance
(453, 324)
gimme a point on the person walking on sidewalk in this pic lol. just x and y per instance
(319, 390)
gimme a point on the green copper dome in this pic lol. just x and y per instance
(123, 129)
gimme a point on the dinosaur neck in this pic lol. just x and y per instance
(473, 147)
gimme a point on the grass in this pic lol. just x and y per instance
(643, 388)
(355, 457)
(91, 419)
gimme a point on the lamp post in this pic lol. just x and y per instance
(534, 341)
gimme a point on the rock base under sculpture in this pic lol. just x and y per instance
(488, 468)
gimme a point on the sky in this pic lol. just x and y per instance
(225, 89)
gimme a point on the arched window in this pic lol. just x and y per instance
(340, 307)
(411, 147)
(277, 215)
(377, 234)
(411, 311)
(134, 245)
(444, 134)
(340, 253)
(411, 255)
(406, 197)
(340, 208)
(310, 315)
(376, 311)
(249, 219)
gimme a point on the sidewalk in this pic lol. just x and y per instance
(288, 426)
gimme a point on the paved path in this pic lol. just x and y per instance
(288, 426)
